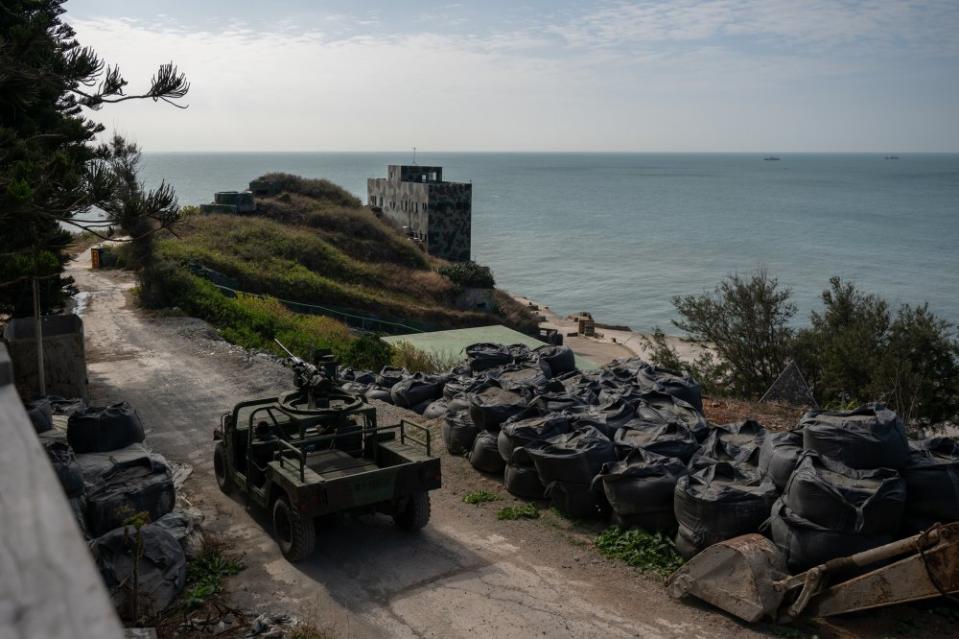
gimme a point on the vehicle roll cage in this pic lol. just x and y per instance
(308, 418)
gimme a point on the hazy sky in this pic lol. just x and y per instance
(678, 75)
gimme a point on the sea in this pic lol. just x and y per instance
(621, 234)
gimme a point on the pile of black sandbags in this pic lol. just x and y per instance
(932, 484)
(110, 477)
(829, 510)
(845, 493)
(630, 440)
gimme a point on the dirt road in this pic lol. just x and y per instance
(466, 575)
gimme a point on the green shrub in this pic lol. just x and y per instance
(649, 551)
(468, 275)
(840, 352)
(743, 326)
(407, 356)
(856, 351)
(318, 189)
(369, 352)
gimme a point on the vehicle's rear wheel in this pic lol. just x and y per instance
(415, 513)
(295, 534)
(219, 469)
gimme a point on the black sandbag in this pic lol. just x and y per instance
(459, 432)
(522, 354)
(78, 506)
(160, 568)
(140, 485)
(492, 405)
(558, 360)
(485, 356)
(435, 409)
(355, 388)
(737, 443)
(40, 413)
(607, 418)
(676, 384)
(575, 457)
(671, 439)
(379, 393)
(932, 484)
(462, 384)
(416, 389)
(485, 455)
(805, 544)
(722, 501)
(521, 478)
(390, 375)
(655, 406)
(422, 406)
(520, 377)
(640, 488)
(62, 406)
(548, 403)
(360, 376)
(514, 433)
(66, 467)
(843, 499)
(98, 430)
(778, 455)
(575, 500)
(458, 404)
(871, 436)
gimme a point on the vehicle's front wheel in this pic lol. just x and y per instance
(295, 534)
(415, 513)
(219, 469)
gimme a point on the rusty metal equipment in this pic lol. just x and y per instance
(747, 577)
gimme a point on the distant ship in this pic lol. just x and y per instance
(892, 157)
(771, 158)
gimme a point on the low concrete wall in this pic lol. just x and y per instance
(64, 358)
(49, 585)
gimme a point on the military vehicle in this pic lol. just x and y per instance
(318, 451)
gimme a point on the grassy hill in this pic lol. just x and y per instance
(312, 243)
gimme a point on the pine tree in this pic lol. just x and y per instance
(53, 175)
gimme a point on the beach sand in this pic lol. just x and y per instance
(607, 344)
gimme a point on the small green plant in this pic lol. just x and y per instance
(137, 522)
(205, 573)
(521, 511)
(650, 551)
(480, 497)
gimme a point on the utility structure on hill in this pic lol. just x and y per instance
(431, 211)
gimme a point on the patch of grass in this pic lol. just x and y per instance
(650, 551)
(480, 497)
(205, 573)
(407, 356)
(521, 511)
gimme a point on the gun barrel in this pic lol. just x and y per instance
(285, 348)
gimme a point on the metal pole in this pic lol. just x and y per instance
(38, 333)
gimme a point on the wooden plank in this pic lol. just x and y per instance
(49, 585)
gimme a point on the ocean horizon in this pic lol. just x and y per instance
(620, 234)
